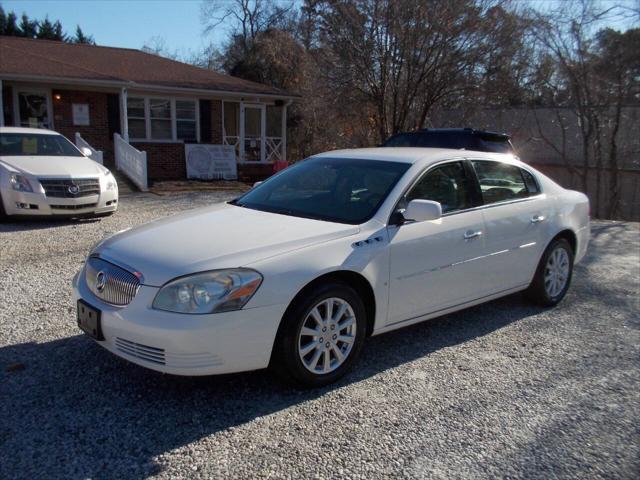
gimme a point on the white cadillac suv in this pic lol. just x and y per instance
(43, 173)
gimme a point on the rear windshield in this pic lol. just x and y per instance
(34, 144)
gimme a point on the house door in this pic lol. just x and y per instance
(252, 132)
(33, 108)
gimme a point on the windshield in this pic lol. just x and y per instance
(36, 144)
(333, 189)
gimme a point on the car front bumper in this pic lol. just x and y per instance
(38, 204)
(182, 344)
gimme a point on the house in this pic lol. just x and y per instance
(126, 102)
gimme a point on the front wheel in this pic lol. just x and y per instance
(553, 276)
(321, 335)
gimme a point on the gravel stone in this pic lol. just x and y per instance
(504, 389)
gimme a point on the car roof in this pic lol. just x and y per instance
(41, 131)
(423, 155)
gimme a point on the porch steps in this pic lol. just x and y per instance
(125, 186)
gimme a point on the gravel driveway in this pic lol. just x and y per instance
(500, 390)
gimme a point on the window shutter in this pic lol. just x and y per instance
(205, 121)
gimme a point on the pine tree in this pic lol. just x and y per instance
(11, 27)
(3, 21)
(46, 31)
(58, 34)
(82, 38)
(28, 28)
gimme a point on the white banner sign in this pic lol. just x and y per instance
(211, 162)
(80, 113)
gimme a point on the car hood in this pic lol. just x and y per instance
(53, 166)
(220, 236)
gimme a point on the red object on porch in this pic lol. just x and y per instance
(280, 165)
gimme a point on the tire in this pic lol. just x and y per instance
(3, 213)
(550, 285)
(295, 351)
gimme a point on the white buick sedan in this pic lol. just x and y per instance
(299, 271)
(43, 173)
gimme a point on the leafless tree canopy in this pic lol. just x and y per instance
(367, 69)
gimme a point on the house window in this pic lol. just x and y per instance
(135, 111)
(186, 120)
(162, 119)
(160, 115)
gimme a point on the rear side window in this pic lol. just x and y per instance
(530, 182)
(447, 184)
(500, 182)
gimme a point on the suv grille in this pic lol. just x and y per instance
(109, 282)
(70, 188)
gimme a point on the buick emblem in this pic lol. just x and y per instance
(73, 189)
(101, 281)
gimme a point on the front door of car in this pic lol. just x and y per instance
(437, 264)
(514, 214)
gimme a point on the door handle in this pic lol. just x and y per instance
(537, 218)
(472, 234)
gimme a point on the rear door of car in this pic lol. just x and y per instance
(514, 212)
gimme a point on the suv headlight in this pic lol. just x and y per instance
(209, 292)
(20, 183)
(111, 183)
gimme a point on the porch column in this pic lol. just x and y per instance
(124, 124)
(263, 133)
(241, 159)
(1, 106)
(284, 130)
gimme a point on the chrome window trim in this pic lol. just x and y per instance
(424, 172)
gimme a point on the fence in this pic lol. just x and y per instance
(96, 155)
(131, 161)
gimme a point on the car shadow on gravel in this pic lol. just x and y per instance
(72, 409)
(25, 225)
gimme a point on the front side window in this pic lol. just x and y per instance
(136, 121)
(499, 181)
(29, 144)
(333, 189)
(447, 184)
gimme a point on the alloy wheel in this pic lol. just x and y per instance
(327, 335)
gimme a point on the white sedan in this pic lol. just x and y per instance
(43, 173)
(300, 270)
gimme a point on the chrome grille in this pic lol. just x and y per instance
(65, 188)
(116, 285)
(144, 352)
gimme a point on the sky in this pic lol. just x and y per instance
(124, 23)
(134, 23)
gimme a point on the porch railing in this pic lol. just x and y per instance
(273, 147)
(96, 155)
(131, 161)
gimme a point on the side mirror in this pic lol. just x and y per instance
(256, 184)
(86, 151)
(423, 210)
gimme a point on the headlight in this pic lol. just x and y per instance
(20, 183)
(111, 183)
(209, 292)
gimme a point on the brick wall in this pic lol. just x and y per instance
(97, 132)
(165, 161)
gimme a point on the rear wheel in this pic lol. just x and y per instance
(321, 336)
(553, 276)
(3, 213)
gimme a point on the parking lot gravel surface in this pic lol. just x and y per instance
(505, 389)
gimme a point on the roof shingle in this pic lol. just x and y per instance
(28, 57)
